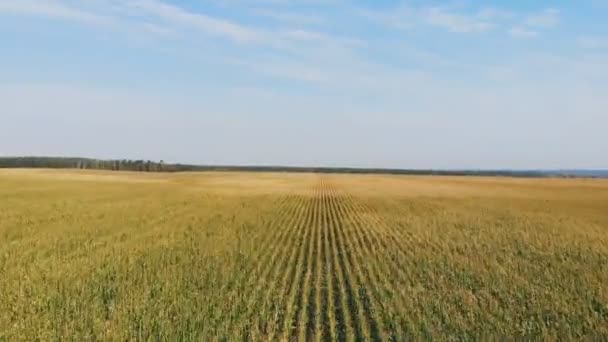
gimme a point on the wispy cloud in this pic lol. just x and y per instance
(162, 18)
(531, 25)
(522, 32)
(211, 25)
(549, 18)
(589, 42)
(444, 17)
(53, 9)
(289, 18)
(459, 19)
(383, 66)
(456, 22)
(301, 35)
(302, 54)
(89, 16)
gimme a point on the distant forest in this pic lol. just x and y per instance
(91, 164)
(160, 166)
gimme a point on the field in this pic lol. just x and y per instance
(116, 256)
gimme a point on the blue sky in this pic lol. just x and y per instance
(411, 84)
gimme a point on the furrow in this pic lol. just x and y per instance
(306, 314)
(291, 274)
(267, 308)
(369, 310)
(289, 267)
(295, 301)
(401, 233)
(271, 301)
(265, 239)
(403, 275)
(325, 318)
(377, 274)
(343, 317)
(314, 328)
(275, 247)
(395, 235)
(357, 322)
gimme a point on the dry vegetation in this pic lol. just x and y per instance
(100, 255)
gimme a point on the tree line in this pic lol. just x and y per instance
(161, 166)
(91, 164)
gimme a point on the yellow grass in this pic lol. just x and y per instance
(102, 255)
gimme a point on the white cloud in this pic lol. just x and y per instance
(89, 16)
(130, 14)
(290, 17)
(316, 37)
(455, 22)
(162, 19)
(409, 17)
(532, 25)
(179, 16)
(491, 13)
(589, 42)
(400, 82)
(522, 32)
(548, 18)
(53, 9)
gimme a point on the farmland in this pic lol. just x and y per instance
(286, 256)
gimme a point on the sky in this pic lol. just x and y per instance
(390, 83)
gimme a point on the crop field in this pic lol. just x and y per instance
(272, 256)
